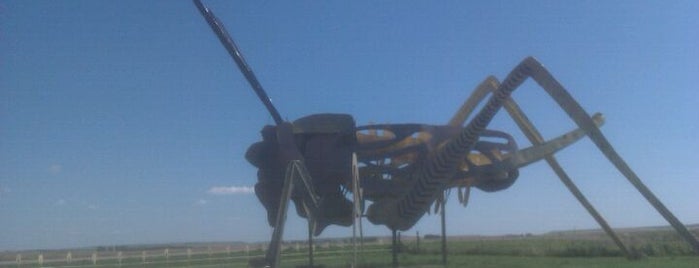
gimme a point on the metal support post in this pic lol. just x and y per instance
(394, 249)
(442, 214)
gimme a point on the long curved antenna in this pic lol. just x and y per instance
(233, 50)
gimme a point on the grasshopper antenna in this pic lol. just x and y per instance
(233, 50)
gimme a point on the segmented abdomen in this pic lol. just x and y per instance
(432, 177)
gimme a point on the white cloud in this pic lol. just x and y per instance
(228, 190)
(202, 202)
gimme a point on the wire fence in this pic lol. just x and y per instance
(130, 257)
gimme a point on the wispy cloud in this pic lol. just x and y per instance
(229, 190)
(202, 202)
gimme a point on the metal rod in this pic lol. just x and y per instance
(417, 239)
(394, 249)
(361, 229)
(310, 243)
(490, 85)
(354, 241)
(443, 217)
(356, 209)
(577, 113)
(274, 250)
(536, 138)
(233, 50)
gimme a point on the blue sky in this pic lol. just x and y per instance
(126, 121)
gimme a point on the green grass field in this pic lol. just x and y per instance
(493, 253)
(657, 248)
(522, 252)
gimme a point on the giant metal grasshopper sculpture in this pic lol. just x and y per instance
(405, 168)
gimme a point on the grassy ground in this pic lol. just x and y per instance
(525, 262)
(658, 248)
(382, 258)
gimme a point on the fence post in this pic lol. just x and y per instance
(208, 250)
(94, 258)
(69, 257)
(167, 255)
(18, 259)
(119, 257)
(40, 260)
(143, 256)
